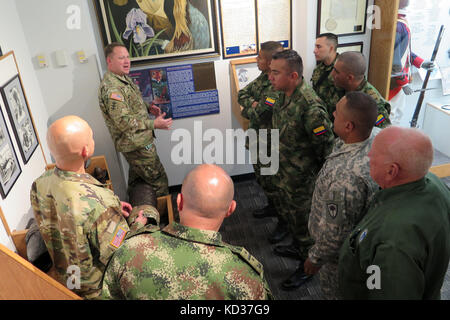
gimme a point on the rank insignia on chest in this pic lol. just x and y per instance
(269, 101)
(116, 96)
(380, 119)
(319, 130)
(332, 210)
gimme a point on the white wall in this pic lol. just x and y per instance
(16, 207)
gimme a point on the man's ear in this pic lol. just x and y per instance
(294, 75)
(231, 209)
(349, 126)
(392, 172)
(180, 202)
(85, 152)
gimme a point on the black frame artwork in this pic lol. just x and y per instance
(152, 32)
(359, 45)
(9, 164)
(20, 118)
(330, 20)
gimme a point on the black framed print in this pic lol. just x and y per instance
(9, 164)
(353, 46)
(19, 115)
(343, 18)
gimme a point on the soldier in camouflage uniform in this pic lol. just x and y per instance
(321, 80)
(348, 74)
(127, 119)
(80, 219)
(306, 138)
(259, 112)
(189, 260)
(343, 188)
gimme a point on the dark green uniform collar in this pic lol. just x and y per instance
(400, 190)
(195, 235)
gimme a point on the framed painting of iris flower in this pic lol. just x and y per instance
(153, 30)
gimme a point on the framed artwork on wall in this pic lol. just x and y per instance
(19, 116)
(9, 164)
(353, 46)
(153, 30)
(343, 18)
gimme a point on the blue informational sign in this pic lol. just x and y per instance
(173, 90)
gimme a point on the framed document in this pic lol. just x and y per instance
(153, 30)
(342, 17)
(353, 46)
(275, 21)
(238, 25)
(9, 164)
(19, 115)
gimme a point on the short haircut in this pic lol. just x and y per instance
(271, 47)
(331, 37)
(294, 61)
(362, 110)
(110, 48)
(354, 63)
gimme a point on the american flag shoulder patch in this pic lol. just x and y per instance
(270, 101)
(118, 237)
(380, 119)
(319, 130)
(116, 96)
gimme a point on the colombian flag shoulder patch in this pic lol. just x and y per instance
(269, 101)
(319, 130)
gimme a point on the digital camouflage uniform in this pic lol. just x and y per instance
(260, 118)
(81, 223)
(182, 263)
(127, 119)
(384, 108)
(341, 197)
(306, 138)
(324, 85)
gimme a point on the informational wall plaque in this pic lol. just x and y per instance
(180, 91)
(270, 14)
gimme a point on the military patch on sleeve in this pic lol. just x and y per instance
(118, 237)
(380, 119)
(269, 101)
(319, 130)
(332, 209)
(116, 96)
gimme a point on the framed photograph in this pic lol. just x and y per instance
(153, 30)
(354, 46)
(19, 116)
(9, 164)
(342, 18)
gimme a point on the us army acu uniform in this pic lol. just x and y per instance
(341, 197)
(384, 108)
(323, 84)
(127, 119)
(306, 138)
(182, 263)
(82, 225)
(405, 239)
(260, 118)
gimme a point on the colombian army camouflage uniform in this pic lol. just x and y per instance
(127, 119)
(260, 118)
(326, 88)
(341, 197)
(182, 263)
(384, 108)
(81, 223)
(306, 138)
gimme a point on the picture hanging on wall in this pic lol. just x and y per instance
(343, 18)
(19, 116)
(9, 165)
(354, 46)
(152, 30)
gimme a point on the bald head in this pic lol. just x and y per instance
(400, 155)
(353, 62)
(70, 140)
(208, 191)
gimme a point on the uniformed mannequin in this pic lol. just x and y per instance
(188, 260)
(81, 221)
(401, 248)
